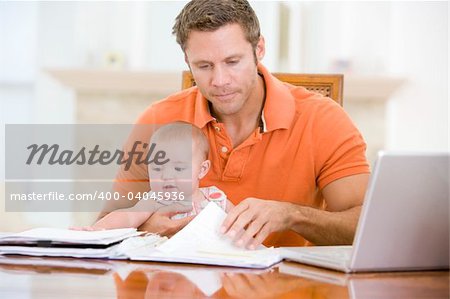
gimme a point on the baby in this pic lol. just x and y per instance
(177, 180)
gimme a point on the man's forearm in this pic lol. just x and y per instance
(324, 227)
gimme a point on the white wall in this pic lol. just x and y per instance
(18, 66)
(406, 40)
(18, 44)
(357, 32)
(418, 114)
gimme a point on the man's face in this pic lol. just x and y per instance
(224, 67)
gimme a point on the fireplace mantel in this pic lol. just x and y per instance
(117, 81)
(356, 88)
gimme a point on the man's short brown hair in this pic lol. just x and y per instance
(210, 15)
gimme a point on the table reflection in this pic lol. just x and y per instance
(168, 281)
(158, 280)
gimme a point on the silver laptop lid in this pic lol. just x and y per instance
(404, 223)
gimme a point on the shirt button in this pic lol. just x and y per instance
(224, 149)
(217, 129)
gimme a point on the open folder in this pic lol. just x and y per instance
(198, 242)
(65, 243)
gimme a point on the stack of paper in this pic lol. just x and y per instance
(64, 242)
(201, 242)
(56, 235)
(198, 242)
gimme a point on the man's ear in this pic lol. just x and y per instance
(260, 50)
(204, 168)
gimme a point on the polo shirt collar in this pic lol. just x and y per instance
(278, 111)
(279, 108)
(202, 112)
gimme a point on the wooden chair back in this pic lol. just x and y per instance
(328, 85)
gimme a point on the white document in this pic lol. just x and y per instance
(58, 235)
(201, 233)
(83, 250)
(109, 252)
(66, 243)
(201, 242)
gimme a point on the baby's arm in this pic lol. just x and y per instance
(121, 219)
(130, 217)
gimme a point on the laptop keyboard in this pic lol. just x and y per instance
(335, 257)
(343, 253)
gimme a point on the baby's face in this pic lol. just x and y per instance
(180, 174)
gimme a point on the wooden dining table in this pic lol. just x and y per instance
(35, 277)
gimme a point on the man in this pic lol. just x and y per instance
(290, 160)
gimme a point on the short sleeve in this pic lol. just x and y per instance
(339, 147)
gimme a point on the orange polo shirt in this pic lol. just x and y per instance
(307, 142)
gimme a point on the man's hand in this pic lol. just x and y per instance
(161, 223)
(252, 220)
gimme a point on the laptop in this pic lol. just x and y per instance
(404, 222)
